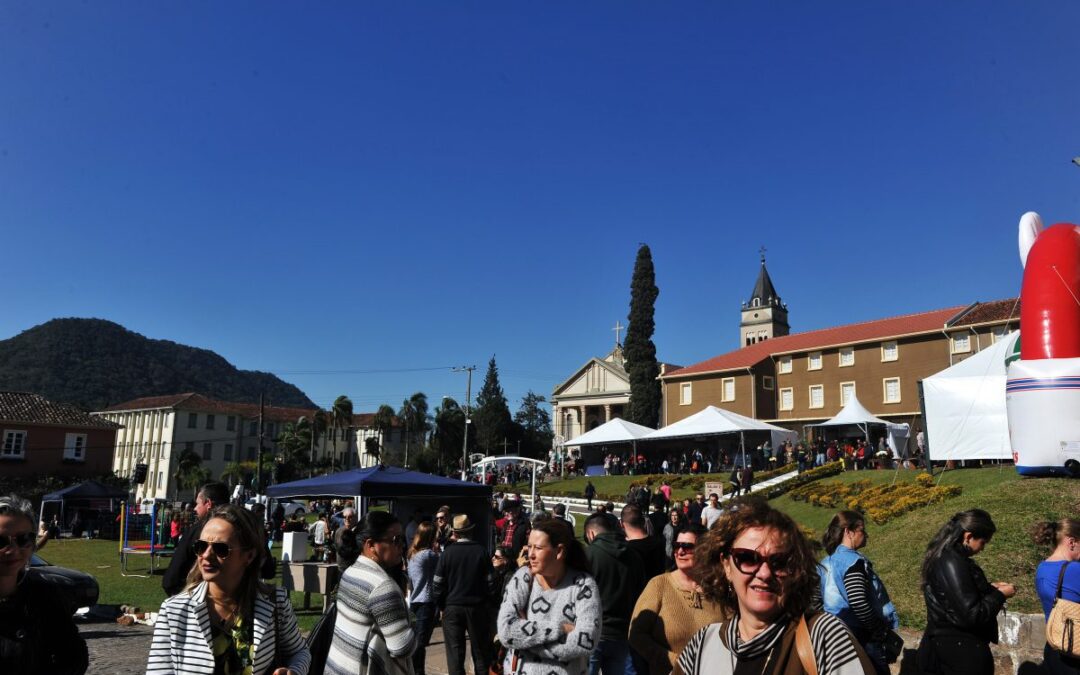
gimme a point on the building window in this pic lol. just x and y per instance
(14, 445)
(817, 396)
(998, 333)
(813, 361)
(207, 450)
(253, 429)
(75, 447)
(847, 392)
(193, 421)
(784, 365)
(160, 478)
(270, 428)
(961, 343)
(230, 423)
(251, 454)
(189, 446)
(767, 382)
(847, 356)
(890, 351)
(228, 452)
(209, 421)
(686, 393)
(787, 398)
(165, 420)
(727, 389)
(892, 389)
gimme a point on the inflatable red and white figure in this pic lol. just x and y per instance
(1042, 393)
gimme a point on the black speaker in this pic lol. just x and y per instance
(140, 473)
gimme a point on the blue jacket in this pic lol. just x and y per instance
(835, 597)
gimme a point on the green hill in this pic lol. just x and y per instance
(93, 363)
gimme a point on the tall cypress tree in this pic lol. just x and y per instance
(492, 415)
(639, 350)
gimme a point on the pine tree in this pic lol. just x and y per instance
(639, 350)
(492, 415)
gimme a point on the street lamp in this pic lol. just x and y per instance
(468, 397)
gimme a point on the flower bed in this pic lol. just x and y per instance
(824, 471)
(880, 503)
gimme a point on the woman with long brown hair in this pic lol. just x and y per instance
(421, 569)
(226, 620)
(760, 569)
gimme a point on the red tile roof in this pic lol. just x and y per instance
(23, 407)
(878, 329)
(200, 403)
(989, 312)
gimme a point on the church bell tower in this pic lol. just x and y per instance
(764, 316)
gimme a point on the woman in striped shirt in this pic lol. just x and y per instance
(758, 566)
(226, 621)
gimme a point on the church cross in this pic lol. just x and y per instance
(762, 251)
(618, 329)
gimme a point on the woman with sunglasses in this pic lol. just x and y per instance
(372, 619)
(852, 590)
(961, 605)
(671, 530)
(760, 569)
(37, 634)
(226, 620)
(672, 608)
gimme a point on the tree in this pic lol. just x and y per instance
(492, 416)
(341, 413)
(316, 428)
(639, 350)
(448, 436)
(189, 470)
(234, 472)
(535, 423)
(293, 445)
(414, 415)
(371, 447)
(383, 423)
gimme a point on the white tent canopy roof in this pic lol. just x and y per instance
(853, 413)
(616, 431)
(712, 421)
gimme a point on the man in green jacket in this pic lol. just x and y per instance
(620, 576)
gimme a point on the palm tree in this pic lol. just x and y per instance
(187, 464)
(316, 427)
(341, 413)
(234, 473)
(371, 447)
(383, 422)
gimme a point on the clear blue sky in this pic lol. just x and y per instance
(379, 186)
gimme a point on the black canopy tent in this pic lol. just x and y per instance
(86, 495)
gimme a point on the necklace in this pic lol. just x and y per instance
(222, 620)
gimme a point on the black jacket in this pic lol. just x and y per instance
(651, 551)
(620, 577)
(37, 634)
(959, 599)
(463, 575)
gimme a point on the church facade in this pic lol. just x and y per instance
(597, 392)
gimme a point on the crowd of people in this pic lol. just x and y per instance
(689, 588)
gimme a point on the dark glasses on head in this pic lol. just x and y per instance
(20, 540)
(220, 548)
(749, 561)
(683, 546)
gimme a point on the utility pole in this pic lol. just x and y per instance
(468, 398)
(259, 455)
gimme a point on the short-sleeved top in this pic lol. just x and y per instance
(1046, 579)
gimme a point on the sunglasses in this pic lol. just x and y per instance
(749, 561)
(221, 549)
(19, 540)
(683, 546)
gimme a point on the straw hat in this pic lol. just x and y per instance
(462, 524)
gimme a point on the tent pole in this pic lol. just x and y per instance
(532, 506)
(742, 445)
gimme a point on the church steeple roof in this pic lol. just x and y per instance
(764, 292)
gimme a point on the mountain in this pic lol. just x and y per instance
(93, 363)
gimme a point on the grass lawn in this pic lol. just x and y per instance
(100, 558)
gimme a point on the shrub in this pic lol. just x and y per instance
(880, 503)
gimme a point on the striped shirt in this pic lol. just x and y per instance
(371, 611)
(835, 650)
(182, 635)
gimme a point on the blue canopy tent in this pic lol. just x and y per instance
(408, 491)
(87, 495)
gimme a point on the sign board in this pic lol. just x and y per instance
(711, 487)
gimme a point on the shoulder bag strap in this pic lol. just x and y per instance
(277, 633)
(805, 648)
(1061, 578)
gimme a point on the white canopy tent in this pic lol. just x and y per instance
(713, 421)
(615, 431)
(965, 406)
(855, 414)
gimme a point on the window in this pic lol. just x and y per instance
(251, 454)
(890, 351)
(813, 361)
(727, 389)
(14, 445)
(817, 396)
(209, 421)
(160, 478)
(193, 420)
(230, 423)
(253, 429)
(228, 452)
(189, 446)
(686, 393)
(847, 356)
(270, 428)
(961, 343)
(787, 398)
(165, 420)
(999, 333)
(75, 447)
(207, 450)
(892, 389)
(784, 365)
(847, 392)
(767, 382)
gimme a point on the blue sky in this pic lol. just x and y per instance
(324, 189)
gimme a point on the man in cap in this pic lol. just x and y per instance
(515, 528)
(462, 589)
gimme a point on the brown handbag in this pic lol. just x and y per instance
(1063, 624)
(805, 649)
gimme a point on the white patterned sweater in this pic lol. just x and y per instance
(542, 645)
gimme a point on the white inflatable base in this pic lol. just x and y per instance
(1042, 399)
